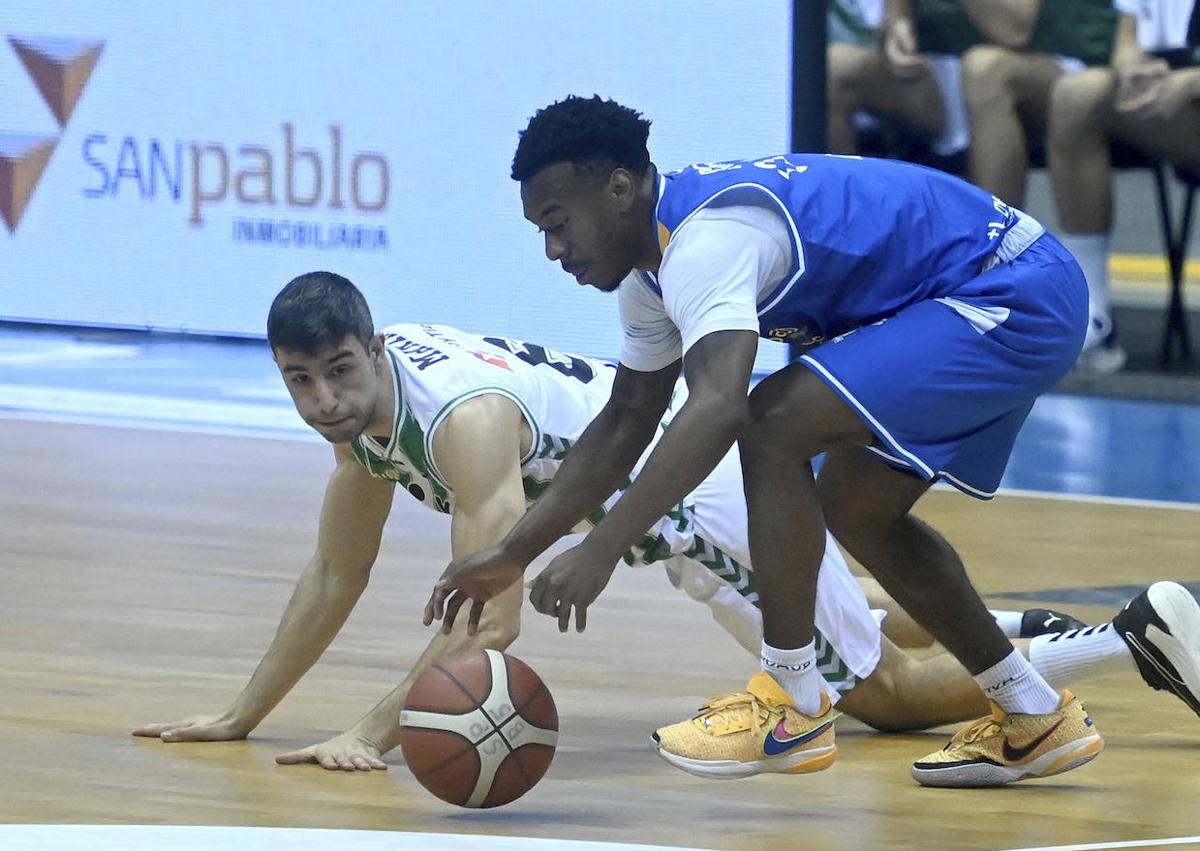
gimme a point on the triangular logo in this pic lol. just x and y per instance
(60, 68)
(23, 158)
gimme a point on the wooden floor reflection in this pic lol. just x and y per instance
(143, 573)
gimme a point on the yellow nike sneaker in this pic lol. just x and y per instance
(752, 732)
(1003, 748)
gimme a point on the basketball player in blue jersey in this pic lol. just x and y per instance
(475, 427)
(932, 315)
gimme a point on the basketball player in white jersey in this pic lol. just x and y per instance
(476, 427)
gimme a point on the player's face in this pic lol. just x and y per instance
(334, 389)
(586, 221)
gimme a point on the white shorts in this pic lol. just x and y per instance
(712, 561)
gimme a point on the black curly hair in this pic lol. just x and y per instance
(591, 133)
(316, 310)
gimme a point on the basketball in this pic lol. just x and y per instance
(479, 729)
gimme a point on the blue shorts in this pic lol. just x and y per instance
(946, 384)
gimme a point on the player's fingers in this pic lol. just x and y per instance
(453, 604)
(580, 618)
(158, 728)
(438, 599)
(327, 761)
(189, 733)
(376, 763)
(475, 616)
(564, 615)
(296, 757)
(361, 764)
(537, 594)
(345, 763)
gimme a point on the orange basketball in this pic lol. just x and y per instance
(479, 729)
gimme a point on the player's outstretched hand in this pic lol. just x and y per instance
(347, 752)
(574, 579)
(198, 728)
(477, 578)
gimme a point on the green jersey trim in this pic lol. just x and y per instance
(449, 407)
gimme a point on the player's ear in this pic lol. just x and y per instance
(375, 347)
(622, 188)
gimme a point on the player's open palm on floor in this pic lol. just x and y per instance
(198, 728)
(347, 752)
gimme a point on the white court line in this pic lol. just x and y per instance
(1132, 843)
(55, 837)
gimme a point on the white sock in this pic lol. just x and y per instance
(1091, 250)
(796, 672)
(1016, 687)
(1068, 656)
(1010, 622)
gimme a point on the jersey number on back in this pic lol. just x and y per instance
(536, 355)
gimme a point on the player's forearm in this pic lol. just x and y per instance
(597, 465)
(317, 610)
(697, 439)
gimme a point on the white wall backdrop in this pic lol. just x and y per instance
(170, 200)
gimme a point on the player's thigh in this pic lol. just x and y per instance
(796, 412)
(1174, 134)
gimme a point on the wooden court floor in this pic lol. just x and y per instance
(143, 573)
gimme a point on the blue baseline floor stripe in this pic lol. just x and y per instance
(1072, 445)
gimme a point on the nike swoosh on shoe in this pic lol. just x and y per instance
(1017, 754)
(779, 742)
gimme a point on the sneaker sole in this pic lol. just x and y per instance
(1180, 612)
(1063, 758)
(801, 762)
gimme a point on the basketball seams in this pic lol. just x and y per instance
(488, 736)
(475, 700)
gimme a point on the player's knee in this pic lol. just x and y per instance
(987, 75)
(1078, 103)
(777, 413)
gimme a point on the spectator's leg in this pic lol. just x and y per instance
(857, 78)
(1005, 91)
(1077, 152)
(1172, 131)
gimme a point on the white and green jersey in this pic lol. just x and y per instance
(436, 368)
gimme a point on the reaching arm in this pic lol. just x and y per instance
(352, 519)
(478, 450)
(596, 466)
(718, 370)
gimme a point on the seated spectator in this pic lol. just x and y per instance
(1013, 51)
(874, 65)
(1149, 99)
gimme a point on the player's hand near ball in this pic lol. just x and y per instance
(347, 752)
(477, 578)
(574, 579)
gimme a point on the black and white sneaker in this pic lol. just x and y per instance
(1036, 622)
(1162, 628)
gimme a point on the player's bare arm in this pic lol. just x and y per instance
(718, 370)
(352, 519)
(478, 450)
(598, 463)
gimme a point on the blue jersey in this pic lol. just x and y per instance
(869, 237)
